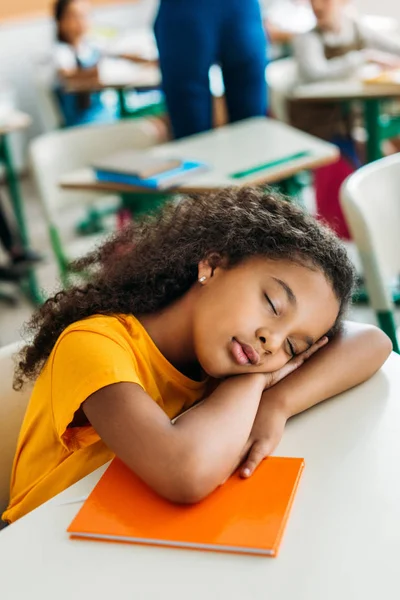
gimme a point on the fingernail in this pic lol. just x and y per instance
(246, 472)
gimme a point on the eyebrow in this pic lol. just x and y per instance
(292, 300)
(288, 291)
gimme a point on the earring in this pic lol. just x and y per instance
(201, 279)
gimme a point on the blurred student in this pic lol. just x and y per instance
(336, 49)
(192, 36)
(76, 59)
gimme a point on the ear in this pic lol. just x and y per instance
(208, 265)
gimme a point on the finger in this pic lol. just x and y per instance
(296, 362)
(288, 368)
(314, 348)
(257, 454)
(244, 454)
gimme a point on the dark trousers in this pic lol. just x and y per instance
(192, 35)
(6, 236)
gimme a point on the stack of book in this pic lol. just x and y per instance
(143, 171)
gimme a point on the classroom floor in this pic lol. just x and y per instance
(13, 318)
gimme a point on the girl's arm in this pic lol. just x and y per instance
(349, 359)
(377, 40)
(139, 59)
(65, 64)
(187, 460)
(78, 74)
(312, 64)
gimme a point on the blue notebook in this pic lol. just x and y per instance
(161, 181)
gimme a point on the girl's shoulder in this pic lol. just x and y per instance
(102, 324)
(64, 56)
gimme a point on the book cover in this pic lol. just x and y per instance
(136, 164)
(161, 181)
(243, 515)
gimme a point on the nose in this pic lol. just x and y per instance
(271, 341)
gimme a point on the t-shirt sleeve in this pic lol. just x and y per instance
(83, 363)
(64, 58)
(313, 66)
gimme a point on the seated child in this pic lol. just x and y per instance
(76, 59)
(218, 298)
(338, 46)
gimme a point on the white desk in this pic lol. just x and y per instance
(352, 88)
(138, 42)
(228, 150)
(342, 539)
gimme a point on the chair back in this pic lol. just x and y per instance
(281, 78)
(12, 409)
(49, 109)
(59, 152)
(370, 199)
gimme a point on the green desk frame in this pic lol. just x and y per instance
(379, 127)
(30, 285)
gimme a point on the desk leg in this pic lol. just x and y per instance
(16, 199)
(157, 109)
(292, 188)
(8, 299)
(371, 116)
(139, 205)
(123, 109)
(388, 325)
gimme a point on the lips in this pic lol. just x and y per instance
(244, 354)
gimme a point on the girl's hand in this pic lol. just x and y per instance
(265, 436)
(382, 59)
(271, 419)
(293, 364)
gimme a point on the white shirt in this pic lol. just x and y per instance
(310, 56)
(64, 56)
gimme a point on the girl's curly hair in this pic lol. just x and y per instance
(151, 263)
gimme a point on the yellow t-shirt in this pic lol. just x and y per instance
(88, 356)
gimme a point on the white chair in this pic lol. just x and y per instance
(281, 76)
(60, 152)
(12, 409)
(370, 199)
(49, 110)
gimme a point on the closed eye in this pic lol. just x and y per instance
(271, 304)
(292, 350)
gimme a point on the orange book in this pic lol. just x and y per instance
(243, 515)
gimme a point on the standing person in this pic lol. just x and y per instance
(192, 35)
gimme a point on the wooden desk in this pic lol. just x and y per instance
(15, 121)
(238, 148)
(342, 539)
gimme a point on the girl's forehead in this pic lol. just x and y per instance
(264, 264)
